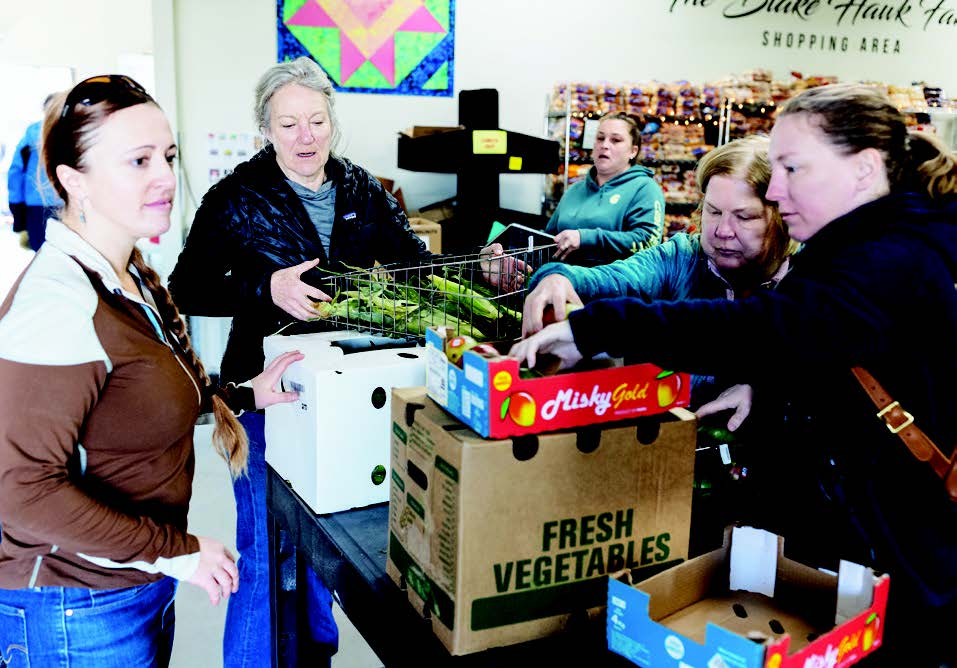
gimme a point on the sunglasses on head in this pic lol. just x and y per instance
(103, 87)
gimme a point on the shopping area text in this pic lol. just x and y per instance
(904, 13)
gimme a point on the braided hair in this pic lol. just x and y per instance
(68, 133)
(229, 437)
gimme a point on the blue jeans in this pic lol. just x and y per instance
(247, 641)
(87, 628)
(36, 217)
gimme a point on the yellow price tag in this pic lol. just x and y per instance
(514, 162)
(489, 142)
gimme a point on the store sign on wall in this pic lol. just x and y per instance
(887, 23)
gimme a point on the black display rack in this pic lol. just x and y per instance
(476, 204)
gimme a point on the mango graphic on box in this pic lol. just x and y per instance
(669, 385)
(457, 346)
(520, 406)
(873, 623)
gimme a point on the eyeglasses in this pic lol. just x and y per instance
(99, 88)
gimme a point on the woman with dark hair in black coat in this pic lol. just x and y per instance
(872, 287)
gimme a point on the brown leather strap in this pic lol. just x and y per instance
(900, 422)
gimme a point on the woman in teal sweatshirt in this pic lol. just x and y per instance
(618, 209)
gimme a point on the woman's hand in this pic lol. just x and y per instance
(737, 397)
(264, 385)
(505, 272)
(217, 572)
(568, 241)
(556, 339)
(294, 296)
(554, 290)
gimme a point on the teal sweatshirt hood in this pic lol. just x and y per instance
(630, 174)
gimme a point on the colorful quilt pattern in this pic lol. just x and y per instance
(398, 47)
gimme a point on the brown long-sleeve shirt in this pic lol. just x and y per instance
(97, 409)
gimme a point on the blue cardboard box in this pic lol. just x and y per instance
(748, 607)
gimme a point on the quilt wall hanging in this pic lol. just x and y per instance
(396, 47)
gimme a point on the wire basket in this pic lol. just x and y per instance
(476, 295)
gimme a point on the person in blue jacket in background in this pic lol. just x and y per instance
(31, 197)
(618, 209)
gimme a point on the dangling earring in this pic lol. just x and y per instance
(82, 212)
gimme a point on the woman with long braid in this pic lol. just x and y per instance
(99, 394)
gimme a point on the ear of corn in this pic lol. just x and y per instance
(375, 300)
(466, 296)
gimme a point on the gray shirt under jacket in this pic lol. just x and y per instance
(320, 206)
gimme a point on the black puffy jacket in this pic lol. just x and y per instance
(874, 288)
(252, 224)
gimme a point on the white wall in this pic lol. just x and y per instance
(522, 49)
(85, 35)
(64, 41)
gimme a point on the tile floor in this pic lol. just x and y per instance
(199, 627)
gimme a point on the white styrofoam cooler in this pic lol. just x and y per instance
(332, 444)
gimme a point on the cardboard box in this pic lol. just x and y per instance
(332, 444)
(389, 185)
(437, 212)
(492, 398)
(500, 542)
(426, 130)
(429, 231)
(746, 605)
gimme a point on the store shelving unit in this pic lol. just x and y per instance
(743, 117)
(477, 151)
(702, 116)
(565, 117)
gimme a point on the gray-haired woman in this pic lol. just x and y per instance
(293, 206)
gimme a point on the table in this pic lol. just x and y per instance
(348, 552)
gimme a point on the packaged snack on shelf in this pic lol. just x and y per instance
(610, 98)
(688, 101)
(577, 172)
(667, 95)
(557, 99)
(554, 186)
(907, 98)
(641, 98)
(933, 96)
(675, 223)
(711, 98)
(556, 128)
